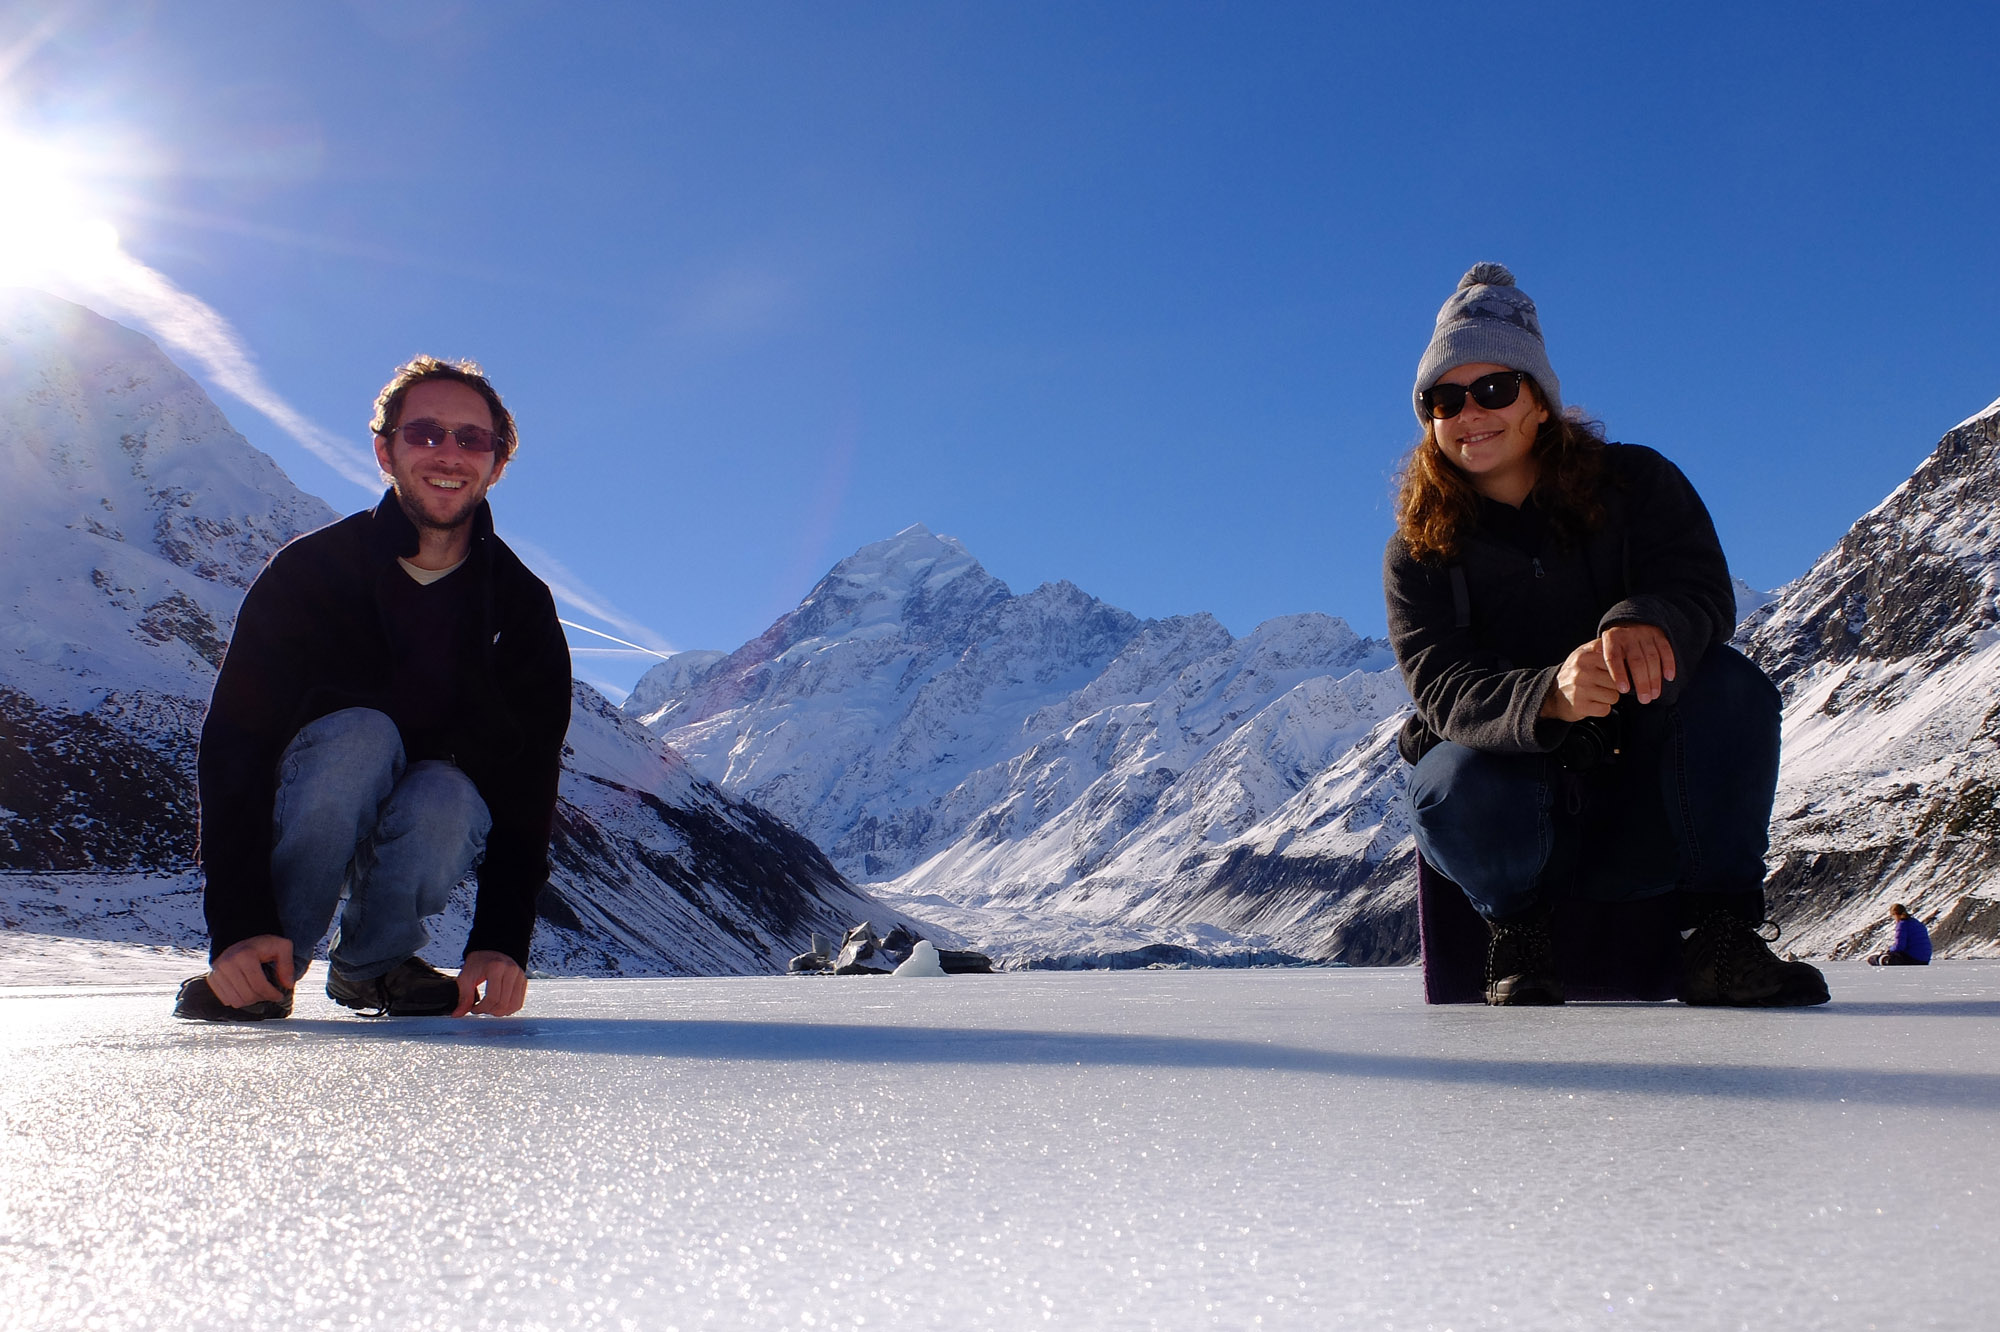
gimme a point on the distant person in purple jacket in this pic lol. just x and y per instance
(1912, 945)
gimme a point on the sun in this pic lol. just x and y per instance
(52, 230)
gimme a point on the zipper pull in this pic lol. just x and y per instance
(1539, 571)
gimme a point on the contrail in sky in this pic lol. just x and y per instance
(192, 327)
(570, 589)
(52, 237)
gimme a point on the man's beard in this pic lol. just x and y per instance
(424, 522)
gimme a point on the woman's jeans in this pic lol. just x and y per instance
(1686, 806)
(353, 821)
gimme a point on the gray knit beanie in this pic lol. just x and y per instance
(1490, 320)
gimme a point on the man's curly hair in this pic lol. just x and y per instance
(419, 369)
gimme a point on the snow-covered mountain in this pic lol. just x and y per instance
(654, 871)
(1888, 653)
(137, 517)
(1051, 774)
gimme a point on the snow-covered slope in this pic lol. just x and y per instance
(1055, 776)
(136, 516)
(655, 871)
(1888, 652)
(1045, 772)
(136, 519)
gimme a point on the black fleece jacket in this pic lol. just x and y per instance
(1654, 560)
(312, 639)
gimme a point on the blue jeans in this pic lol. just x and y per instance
(353, 821)
(1686, 806)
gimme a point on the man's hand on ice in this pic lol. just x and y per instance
(506, 985)
(238, 978)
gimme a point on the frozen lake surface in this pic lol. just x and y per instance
(1288, 1149)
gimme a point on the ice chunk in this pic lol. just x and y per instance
(923, 961)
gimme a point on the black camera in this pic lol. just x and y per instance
(1594, 742)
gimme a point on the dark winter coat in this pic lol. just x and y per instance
(1654, 560)
(312, 639)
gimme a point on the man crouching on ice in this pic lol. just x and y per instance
(390, 714)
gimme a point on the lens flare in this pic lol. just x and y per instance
(51, 228)
(55, 236)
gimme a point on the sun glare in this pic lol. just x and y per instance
(51, 228)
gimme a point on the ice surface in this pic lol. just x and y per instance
(1293, 1149)
(27, 958)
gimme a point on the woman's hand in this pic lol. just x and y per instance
(1640, 658)
(1583, 687)
(1627, 659)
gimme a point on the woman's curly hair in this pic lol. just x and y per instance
(1436, 504)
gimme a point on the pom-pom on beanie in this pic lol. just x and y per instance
(1487, 320)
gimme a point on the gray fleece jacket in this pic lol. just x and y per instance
(1654, 560)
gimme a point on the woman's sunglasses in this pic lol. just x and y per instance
(471, 438)
(1494, 391)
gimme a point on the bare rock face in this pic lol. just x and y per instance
(1888, 653)
(82, 794)
(137, 518)
(1914, 580)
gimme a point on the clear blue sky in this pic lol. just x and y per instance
(1128, 294)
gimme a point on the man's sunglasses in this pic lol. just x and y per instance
(471, 438)
(1494, 391)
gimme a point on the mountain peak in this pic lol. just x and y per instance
(913, 553)
(913, 578)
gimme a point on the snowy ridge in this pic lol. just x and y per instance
(139, 518)
(897, 669)
(136, 515)
(1045, 773)
(1991, 409)
(1888, 653)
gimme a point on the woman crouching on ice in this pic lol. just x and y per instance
(1560, 608)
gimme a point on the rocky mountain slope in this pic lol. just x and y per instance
(137, 518)
(1888, 653)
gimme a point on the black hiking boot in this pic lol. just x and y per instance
(1521, 961)
(198, 1003)
(1728, 961)
(414, 988)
